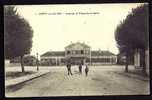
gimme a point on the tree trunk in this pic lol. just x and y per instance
(22, 64)
(126, 65)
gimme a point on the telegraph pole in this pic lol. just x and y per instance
(90, 56)
(37, 62)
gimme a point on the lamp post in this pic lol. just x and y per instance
(37, 62)
(90, 56)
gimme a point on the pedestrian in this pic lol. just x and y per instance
(80, 68)
(86, 70)
(69, 69)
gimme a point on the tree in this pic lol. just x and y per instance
(17, 35)
(132, 33)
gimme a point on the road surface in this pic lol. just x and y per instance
(102, 80)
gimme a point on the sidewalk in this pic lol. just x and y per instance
(135, 76)
(133, 73)
(25, 78)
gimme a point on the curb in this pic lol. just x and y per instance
(8, 87)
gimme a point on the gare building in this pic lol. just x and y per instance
(78, 53)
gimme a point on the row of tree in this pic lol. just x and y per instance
(17, 35)
(132, 33)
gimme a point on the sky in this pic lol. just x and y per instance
(56, 26)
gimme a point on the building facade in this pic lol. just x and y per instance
(53, 58)
(103, 57)
(139, 59)
(78, 53)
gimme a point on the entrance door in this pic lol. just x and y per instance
(77, 60)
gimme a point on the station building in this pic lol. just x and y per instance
(78, 53)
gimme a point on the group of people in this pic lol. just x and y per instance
(80, 69)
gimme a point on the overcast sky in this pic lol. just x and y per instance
(94, 27)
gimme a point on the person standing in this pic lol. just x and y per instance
(86, 70)
(80, 68)
(69, 69)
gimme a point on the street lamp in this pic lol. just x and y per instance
(37, 62)
(90, 56)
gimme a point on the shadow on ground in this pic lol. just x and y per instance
(15, 87)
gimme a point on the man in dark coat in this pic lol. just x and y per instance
(69, 69)
(80, 68)
(86, 70)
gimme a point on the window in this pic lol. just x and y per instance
(87, 52)
(77, 52)
(82, 52)
(68, 52)
(73, 52)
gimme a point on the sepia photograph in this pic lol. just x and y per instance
(55, 50)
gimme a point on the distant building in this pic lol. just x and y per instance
(121, 59)
(103, 57)
(139, 60)
(147, 61)
(28, 60)
(78, 53)
(53, 58)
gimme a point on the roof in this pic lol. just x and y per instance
(93, 53)
(54, 53)
(77, 43)
(102, 53)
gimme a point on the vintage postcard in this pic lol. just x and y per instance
(76, 50)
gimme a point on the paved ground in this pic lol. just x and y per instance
(102, 80)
